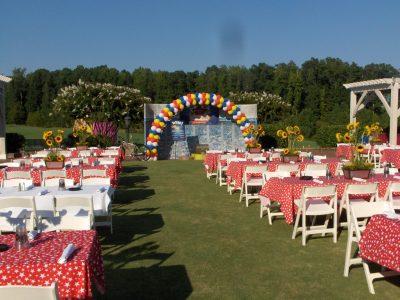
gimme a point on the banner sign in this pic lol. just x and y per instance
(178, 131)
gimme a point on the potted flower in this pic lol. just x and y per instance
(82, 131)
(53, 141)
(257, 133)
(373, 131)
(358, 166)
(291, 135)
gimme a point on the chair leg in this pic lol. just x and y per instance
(217, 177)
(246, 194)
(303, 229)
(368, 277)
(335, 226)
(348, 252)
(269, 215)
(261, 210)
(296, 224)
(241, 192)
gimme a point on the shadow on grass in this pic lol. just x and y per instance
(129, 169)
(130, 196)
(156, 282)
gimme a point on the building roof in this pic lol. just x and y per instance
(368, 84)
(5, 78)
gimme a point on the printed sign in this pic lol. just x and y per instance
(178, 131)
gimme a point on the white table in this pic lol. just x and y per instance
(45, 203)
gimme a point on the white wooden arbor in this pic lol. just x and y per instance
(387, 91)
(3, 81)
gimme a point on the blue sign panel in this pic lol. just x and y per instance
(178, 131)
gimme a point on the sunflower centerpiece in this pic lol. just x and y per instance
(82, 130)
(257, 133)
(53, 142)
(358, 166)
(373, 131)
(290, 135)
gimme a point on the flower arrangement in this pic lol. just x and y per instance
(291, 135)
(257, 133)
(82, 130)
(353, 136)
(53, 142)
(373, 131)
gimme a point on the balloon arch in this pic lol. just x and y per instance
(190, 100)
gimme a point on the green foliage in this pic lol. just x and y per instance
(14, 142)
(34, 119)
(99, 140)
(326, 134)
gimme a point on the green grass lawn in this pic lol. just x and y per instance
(179, 235)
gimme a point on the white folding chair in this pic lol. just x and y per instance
(76, 160)
(392, 171)
(106, 160)
(18, 174)
(66, 153)
(274, 156)
(394, 187)
(47, 174)
(315, 170)
(23, 207)
(363, 211)
(272, 210)
(253, 156)
(288, 168)
(94, 172)
(313, 202)
(220, 176)
(16, 182)
(64, 223)
(56, 181)
(74, 206)
(231, 186)
(40, 154)
(110, 152)
(23, 292)
(355, 193)
(84, 153)
(251, 182)
(96, 181)
(38, 164)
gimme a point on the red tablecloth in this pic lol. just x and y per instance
(343, 151)
(391, 156)
(38, 265)
(211, 162)
(72, 173)
(331, 162)
(380, 242)
(235, 171)
(286, 190)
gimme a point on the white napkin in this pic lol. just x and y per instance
(318, 181)
(391, 215)
(396, 177)
(101, 190)
(291, 162)
(359, 179)
(41, 193)
(66, 253)
(32, 235)
(29, 187)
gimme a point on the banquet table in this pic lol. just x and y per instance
(331, 162)
(380, 242)
(38, 265)
(344, 150)
(211, 162)
(391, 156)
(72, 172)
(235, 171)
(45, 204)
(286, 190)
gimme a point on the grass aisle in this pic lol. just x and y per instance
(179, 235)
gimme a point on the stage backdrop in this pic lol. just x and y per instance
(225, 135)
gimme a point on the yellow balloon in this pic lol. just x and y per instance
(178, 101)
(219, 105)
(230, 112)
(165, 109)
(207, 102)
(151, 135)
(193, 96)
(234, 107)
(207, 96)
(238, 121)
(170, 114)
(162, 124)
(194, 102)
(157, 137)
(243, 119)
(181, 106)
(153, 150)
(156, 121)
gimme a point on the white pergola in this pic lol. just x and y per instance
(3, 81)
(387, 91)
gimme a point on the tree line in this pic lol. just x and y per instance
(314, 90)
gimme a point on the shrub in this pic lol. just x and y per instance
(326, 134)
(14, 142)
(34, 119)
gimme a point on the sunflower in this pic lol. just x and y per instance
(60, 157)
(74, 134)
(60, 131)
(289, 129)
(297, 132)
(58, 139)
(284, 135)
(49, 157)
(47, 134)
(285, 151)
(49, 142)
(338, 137)
(300, 138)
(347, 137)
(252, 126)
(258, 145)
(279, 132)
(360, 148)
(350, 126)
(259, 128)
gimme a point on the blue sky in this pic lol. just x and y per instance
(192, 34)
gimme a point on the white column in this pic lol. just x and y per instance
(394, 107)
(353, 104)
(3, 154)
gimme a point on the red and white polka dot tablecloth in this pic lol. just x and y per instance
(211, 162)
(286, 190)
(391, 156)
(38, 265)
(344, 151)
(380, 242)
(331, 162)
(72, 173)
(235, 171)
